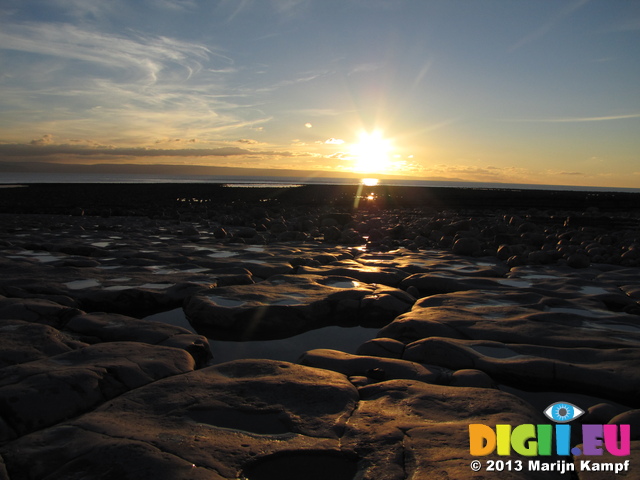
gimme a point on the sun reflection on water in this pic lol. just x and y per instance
(361, 193)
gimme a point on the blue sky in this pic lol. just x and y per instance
(544, 91)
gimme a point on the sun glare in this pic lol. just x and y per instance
(371, 153)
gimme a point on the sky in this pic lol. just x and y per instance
(512, 91)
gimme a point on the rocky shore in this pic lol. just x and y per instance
(488, 305)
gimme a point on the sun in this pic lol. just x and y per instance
(371, 153)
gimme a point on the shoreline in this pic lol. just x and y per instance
(143, 198)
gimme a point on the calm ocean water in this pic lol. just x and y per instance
(10, 178)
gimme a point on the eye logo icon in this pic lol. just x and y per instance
(563, 412)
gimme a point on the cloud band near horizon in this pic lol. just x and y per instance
(32, 150)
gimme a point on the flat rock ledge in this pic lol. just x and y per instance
(289, 304)
(261, 419)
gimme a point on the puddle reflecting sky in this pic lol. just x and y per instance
(82, 284)
(287, 349)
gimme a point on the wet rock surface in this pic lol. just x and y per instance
(289, 304)
(481, 318)
(268, 419)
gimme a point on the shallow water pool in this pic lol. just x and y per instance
(345, 339)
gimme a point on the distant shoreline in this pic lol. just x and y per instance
(151, 198)
(159, 174)
(12, 180)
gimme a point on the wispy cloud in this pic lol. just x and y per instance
(177, 5)
(149, 54)
(553, 173)
(545, 28)
(290, 9)
(43, 150)
(577, 119)
(286, 10)
(232, 8)
(120, 83)
(88, 9)
(365, 68)
(300, 78)
(422, 73)
(475, 173)
(318, 112)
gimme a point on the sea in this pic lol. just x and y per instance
(9, 179)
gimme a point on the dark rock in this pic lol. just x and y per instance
(471, 378)
(516, 261)
(600, 413)
(331, 234)
(36, 310)
(22, 342)
(235, 413)
(80, 262)
(340, 218)
(351, 237)
(382, 347)
(539, 257)
(329, 222)
(631, 418)
(288, 236)
(44, 392)
(190, 230)
(375, 368)
(246, 232)
(83, 251)
(532, 367)
(220, 233)
(105, 327)
(578, 261)
(278, 227)
(504, 252)
(466, 246)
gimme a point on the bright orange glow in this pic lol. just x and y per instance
(371, 153)
(370, 182)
